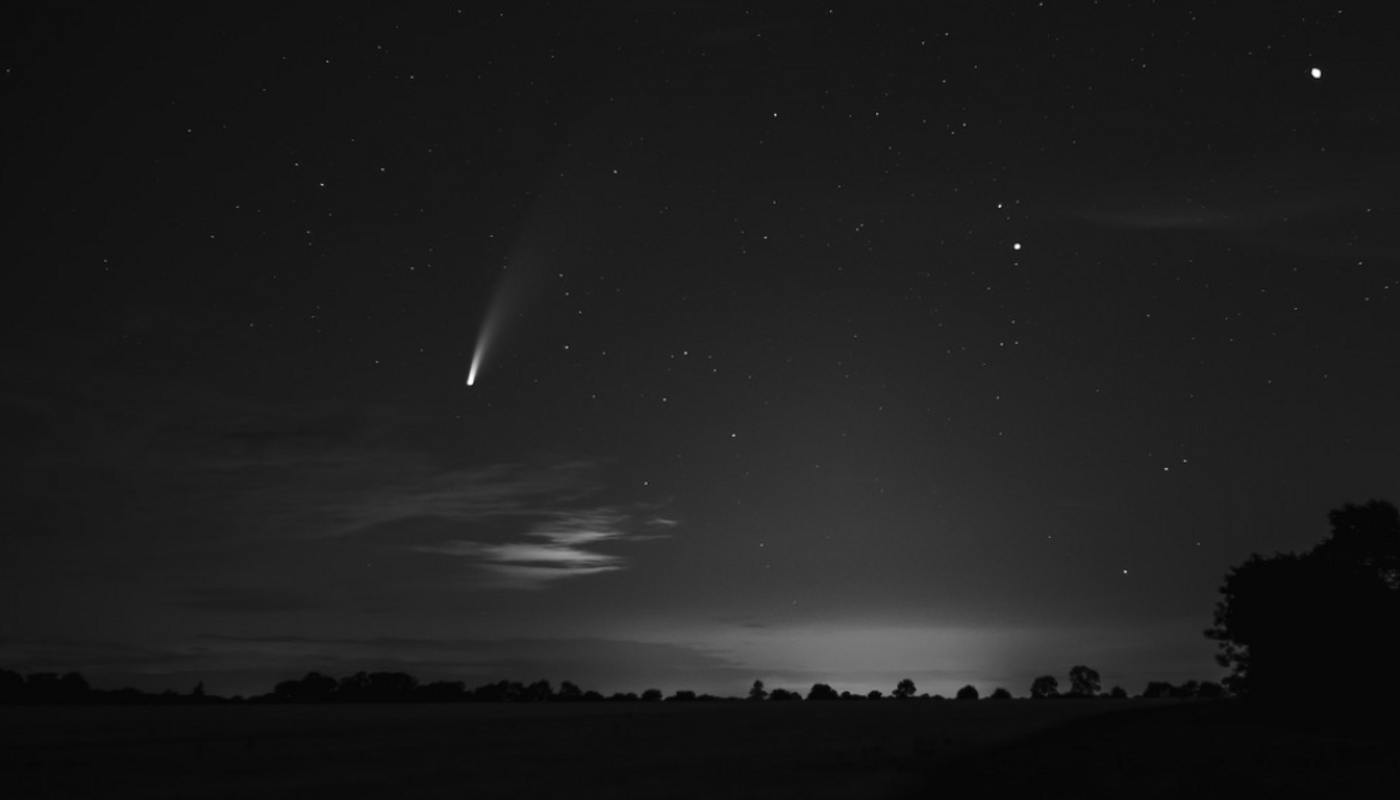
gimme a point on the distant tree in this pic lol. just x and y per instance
(11, 686)
(783, 695)
(904, 690)
(875, 694)
(1210, 689)
(316, 686)
(442, 692)
(757, 692)
(1287, 619)
(591, 696)
(538, 692)
(391, 687)
(75, 686)
(820, 691)
(682, 696)
(1045, 687)
(313, 688)
(652, 695)
(1000, 694)
(1118, 693)
(50, 687)
(353, 687)
(569, 692)
(1155, 689)
(624, 697)
(1083, 681)
(968, 692)
(499, 692)
(1187, 690)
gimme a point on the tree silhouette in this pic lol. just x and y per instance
(1158, 689)
(391, 686)
(758, 692)
(1210, 689)
(1045, 687)
(11, 686)
(1000, 694)
(875, 694)
(651, 695)
(820, 691)
(1285, 620)
(501, 691)
(49, 687)
(904, 690)
(1118, 693)
(968, 692)
(442, 691)
(313, 688)
(783, 695)
(569, 692)
(1083, 681)
(1188, 689)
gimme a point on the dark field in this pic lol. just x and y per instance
(807, 750)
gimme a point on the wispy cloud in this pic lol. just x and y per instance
(560, 545)
(332, 477)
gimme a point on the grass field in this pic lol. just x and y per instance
(638, 750)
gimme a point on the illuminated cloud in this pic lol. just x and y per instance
(563, 553)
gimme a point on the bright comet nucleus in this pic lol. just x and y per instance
(479, 353)
(476, 362)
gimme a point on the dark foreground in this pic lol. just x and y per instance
(732, 750)
(1190, 750)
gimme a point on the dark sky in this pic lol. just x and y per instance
(839, 342)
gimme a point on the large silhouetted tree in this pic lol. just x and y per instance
(904, 690)
(1045, 687)
(1083, 681)
(1290, 622)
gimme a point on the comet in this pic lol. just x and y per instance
(484, 339)
(505, 298)
(476, 364)
(520, 278)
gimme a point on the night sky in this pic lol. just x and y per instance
(842, 342)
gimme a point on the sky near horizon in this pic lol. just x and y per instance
(807, 342)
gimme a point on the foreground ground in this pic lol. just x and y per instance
(1195, 750)
(732, 750)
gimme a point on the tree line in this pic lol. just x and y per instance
(401, 687)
